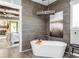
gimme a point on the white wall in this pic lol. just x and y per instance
(74, 22)
(10, 4)
(17, 2)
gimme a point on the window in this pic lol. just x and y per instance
(14, 26)
(75, 15)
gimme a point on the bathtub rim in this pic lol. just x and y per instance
(63, 43)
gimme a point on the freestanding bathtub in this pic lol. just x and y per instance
(53, 49)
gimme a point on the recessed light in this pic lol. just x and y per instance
(43, 0)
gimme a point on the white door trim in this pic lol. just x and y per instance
(20, 30)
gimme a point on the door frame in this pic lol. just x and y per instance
(20, 30)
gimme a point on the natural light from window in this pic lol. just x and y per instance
(75, 16)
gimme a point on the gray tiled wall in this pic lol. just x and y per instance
(63, 5)
(32, 25)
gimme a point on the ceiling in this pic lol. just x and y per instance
(44, 2)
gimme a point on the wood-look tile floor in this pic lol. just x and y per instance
(14, 53)
(3, 43)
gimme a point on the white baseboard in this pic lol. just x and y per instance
(14, 45)
(26, 50)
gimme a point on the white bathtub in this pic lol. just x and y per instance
(54, 49)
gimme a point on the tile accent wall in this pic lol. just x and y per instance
(32, 25)
(63, 5)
